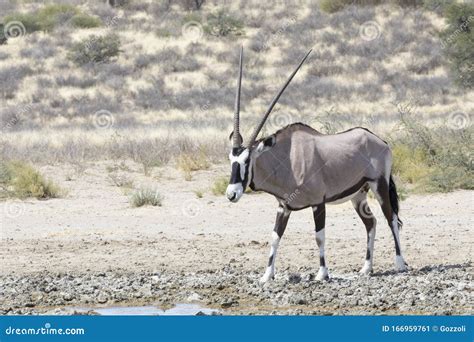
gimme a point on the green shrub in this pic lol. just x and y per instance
(458, 42)
(146, 196)
(85, 21)
(199, 193)
(434, 159)
(438, 6)
(220, 185)
(18, 179)
(95, 49)
(410, 164)
(332, 6)
(221, 24)
(53, 15)
(29, 21)
(3, 38)
(118, 3)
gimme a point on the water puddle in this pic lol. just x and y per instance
(150, 310)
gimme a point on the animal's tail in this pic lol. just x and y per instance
(392, 191)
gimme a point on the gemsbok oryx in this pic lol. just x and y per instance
(303, 168)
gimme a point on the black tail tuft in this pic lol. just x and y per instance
(392, 190)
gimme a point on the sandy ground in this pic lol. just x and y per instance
(94, 232)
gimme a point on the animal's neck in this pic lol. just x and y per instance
(264, 174)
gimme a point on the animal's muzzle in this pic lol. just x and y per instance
(234, 192)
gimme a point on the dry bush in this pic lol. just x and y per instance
(199, 193)
(121, 181)
(11, 78)
(149, 153)
(458, 41)
(95, 49)
(434, 159)
(222, 24)
(410, 164)
(145, 60)
(21, 180)
(189, 162)
(220, 185)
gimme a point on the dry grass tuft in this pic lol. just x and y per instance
(189, 162)
(146, 196)
(21, 180)
(220, 185)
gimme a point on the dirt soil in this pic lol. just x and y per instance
(91, 248)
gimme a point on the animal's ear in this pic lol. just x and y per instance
(231, 135)
(266, 144)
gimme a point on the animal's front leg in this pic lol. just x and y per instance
(280, 226)
(319, 214)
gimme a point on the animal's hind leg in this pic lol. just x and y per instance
(319, 214)
(361, 206)
(280, 226)
(381, 191)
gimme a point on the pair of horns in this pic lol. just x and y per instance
(253, 137)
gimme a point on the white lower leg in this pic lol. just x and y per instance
(399, 261)
(323, 271)
(270, 271)
(368, 265)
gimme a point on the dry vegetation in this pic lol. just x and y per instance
(18, 179)
(154, 83)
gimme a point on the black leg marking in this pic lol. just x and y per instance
(381, 189)
(281, 221)
(383, 192)
(319, 215)
(365, 214)
(280, 226)
(322, 262)
(270, 260)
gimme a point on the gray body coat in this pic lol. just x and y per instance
(318, 168)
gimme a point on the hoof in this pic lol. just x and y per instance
(400, 264)
(322, 274)
(367, 269)
(266, 278)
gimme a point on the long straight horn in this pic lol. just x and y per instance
(236, 134)
(273, 103)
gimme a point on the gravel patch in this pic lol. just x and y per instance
(433, 290)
